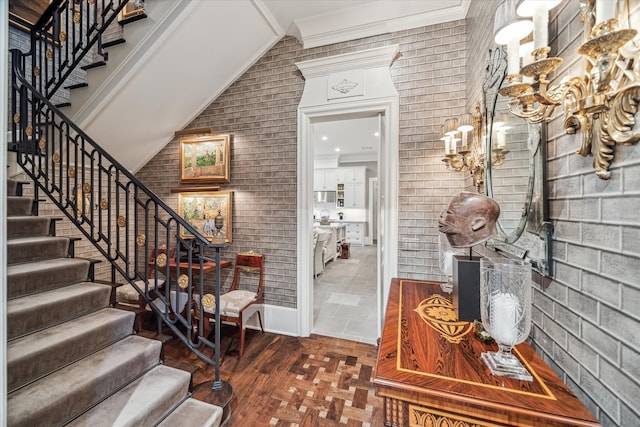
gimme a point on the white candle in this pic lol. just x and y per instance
(505, 314)
(540, 26)
(454, 143)
(513, 57)
(447, 145)
(502, 138)
(464, 140)
(605, 10)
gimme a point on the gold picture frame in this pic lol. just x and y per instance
(205, 159)
(200, 210)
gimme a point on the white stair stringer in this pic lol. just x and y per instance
(172, 75)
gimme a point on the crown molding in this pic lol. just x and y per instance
(361, 60)
(375, 19)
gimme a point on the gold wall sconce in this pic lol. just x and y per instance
(463, 145)
(601, 104)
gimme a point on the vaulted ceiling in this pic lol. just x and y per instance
(187, 52)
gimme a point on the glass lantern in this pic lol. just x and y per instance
(505, 309)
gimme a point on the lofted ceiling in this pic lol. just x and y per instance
(189, 51)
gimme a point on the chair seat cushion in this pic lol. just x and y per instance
(177, 306)
(232, 302)
(127, 293)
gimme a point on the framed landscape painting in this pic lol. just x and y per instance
(200, 211)
(205, 159)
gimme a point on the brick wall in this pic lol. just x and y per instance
(585, 319)
(260, 109)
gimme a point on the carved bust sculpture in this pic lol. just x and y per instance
(469, 219)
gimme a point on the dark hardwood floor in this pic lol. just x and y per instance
(290, 381)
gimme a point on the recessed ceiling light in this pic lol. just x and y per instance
(324, 138)
(337, 150)
(376, 134)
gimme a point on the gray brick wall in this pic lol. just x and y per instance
(260, 108)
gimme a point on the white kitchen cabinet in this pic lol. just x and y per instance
(324, 180)
(354, 175)
(355, 233)
(354, 196)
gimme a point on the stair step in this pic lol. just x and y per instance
(62, 104)
(77, 86)
(197, 413)
(35, 312)
(144, 402)
(25, 249)
(25, 226)
(31, 357)
(94, 65)
(17, 205)
(69, 392)
(40, 276)
(113, 42)
(133, 18)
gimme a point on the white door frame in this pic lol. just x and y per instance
(388, 165)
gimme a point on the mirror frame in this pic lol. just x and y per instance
(531, 241)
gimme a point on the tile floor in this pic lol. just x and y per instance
(344, 297)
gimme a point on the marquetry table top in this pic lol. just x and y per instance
(429, 358)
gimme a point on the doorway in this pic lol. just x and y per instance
(345, 291)
(323, 98)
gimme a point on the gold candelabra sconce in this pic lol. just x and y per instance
(600, 106)
(463, 145)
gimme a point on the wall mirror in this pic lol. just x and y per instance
(516, 173)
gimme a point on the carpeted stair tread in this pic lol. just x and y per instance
(37, 354)
(23, 226)
(12, 187)
(40, 276)
(34, 312)
(25, 249)
(197, 413)
(142, 403)
(19, 206)
(63, 395)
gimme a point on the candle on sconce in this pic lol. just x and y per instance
(447, 145)
(502, 139)
(513, 57)
(605, 10)
(540, 26)
(454, 144)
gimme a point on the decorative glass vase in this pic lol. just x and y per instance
(505, 309)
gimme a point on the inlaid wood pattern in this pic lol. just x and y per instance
(291, 381)
(422, 364)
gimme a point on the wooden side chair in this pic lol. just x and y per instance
(241, 302)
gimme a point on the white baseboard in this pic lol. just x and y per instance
(277, 320)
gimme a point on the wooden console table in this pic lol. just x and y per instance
(429, 371)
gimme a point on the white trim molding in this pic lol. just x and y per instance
(379, 97)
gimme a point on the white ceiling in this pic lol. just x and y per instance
(350, 139)
(159, 87)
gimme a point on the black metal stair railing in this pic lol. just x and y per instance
(64, 35)
(121, 217)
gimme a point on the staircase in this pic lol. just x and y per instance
(72, 358)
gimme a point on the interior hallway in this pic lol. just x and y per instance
(344, 297)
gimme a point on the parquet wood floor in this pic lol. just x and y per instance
(290, 381)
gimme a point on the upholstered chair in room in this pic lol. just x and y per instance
(244, 298)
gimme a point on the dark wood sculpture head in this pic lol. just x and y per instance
(469, 219)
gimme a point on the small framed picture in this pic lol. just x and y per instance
(205, 159)
(200, 211)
